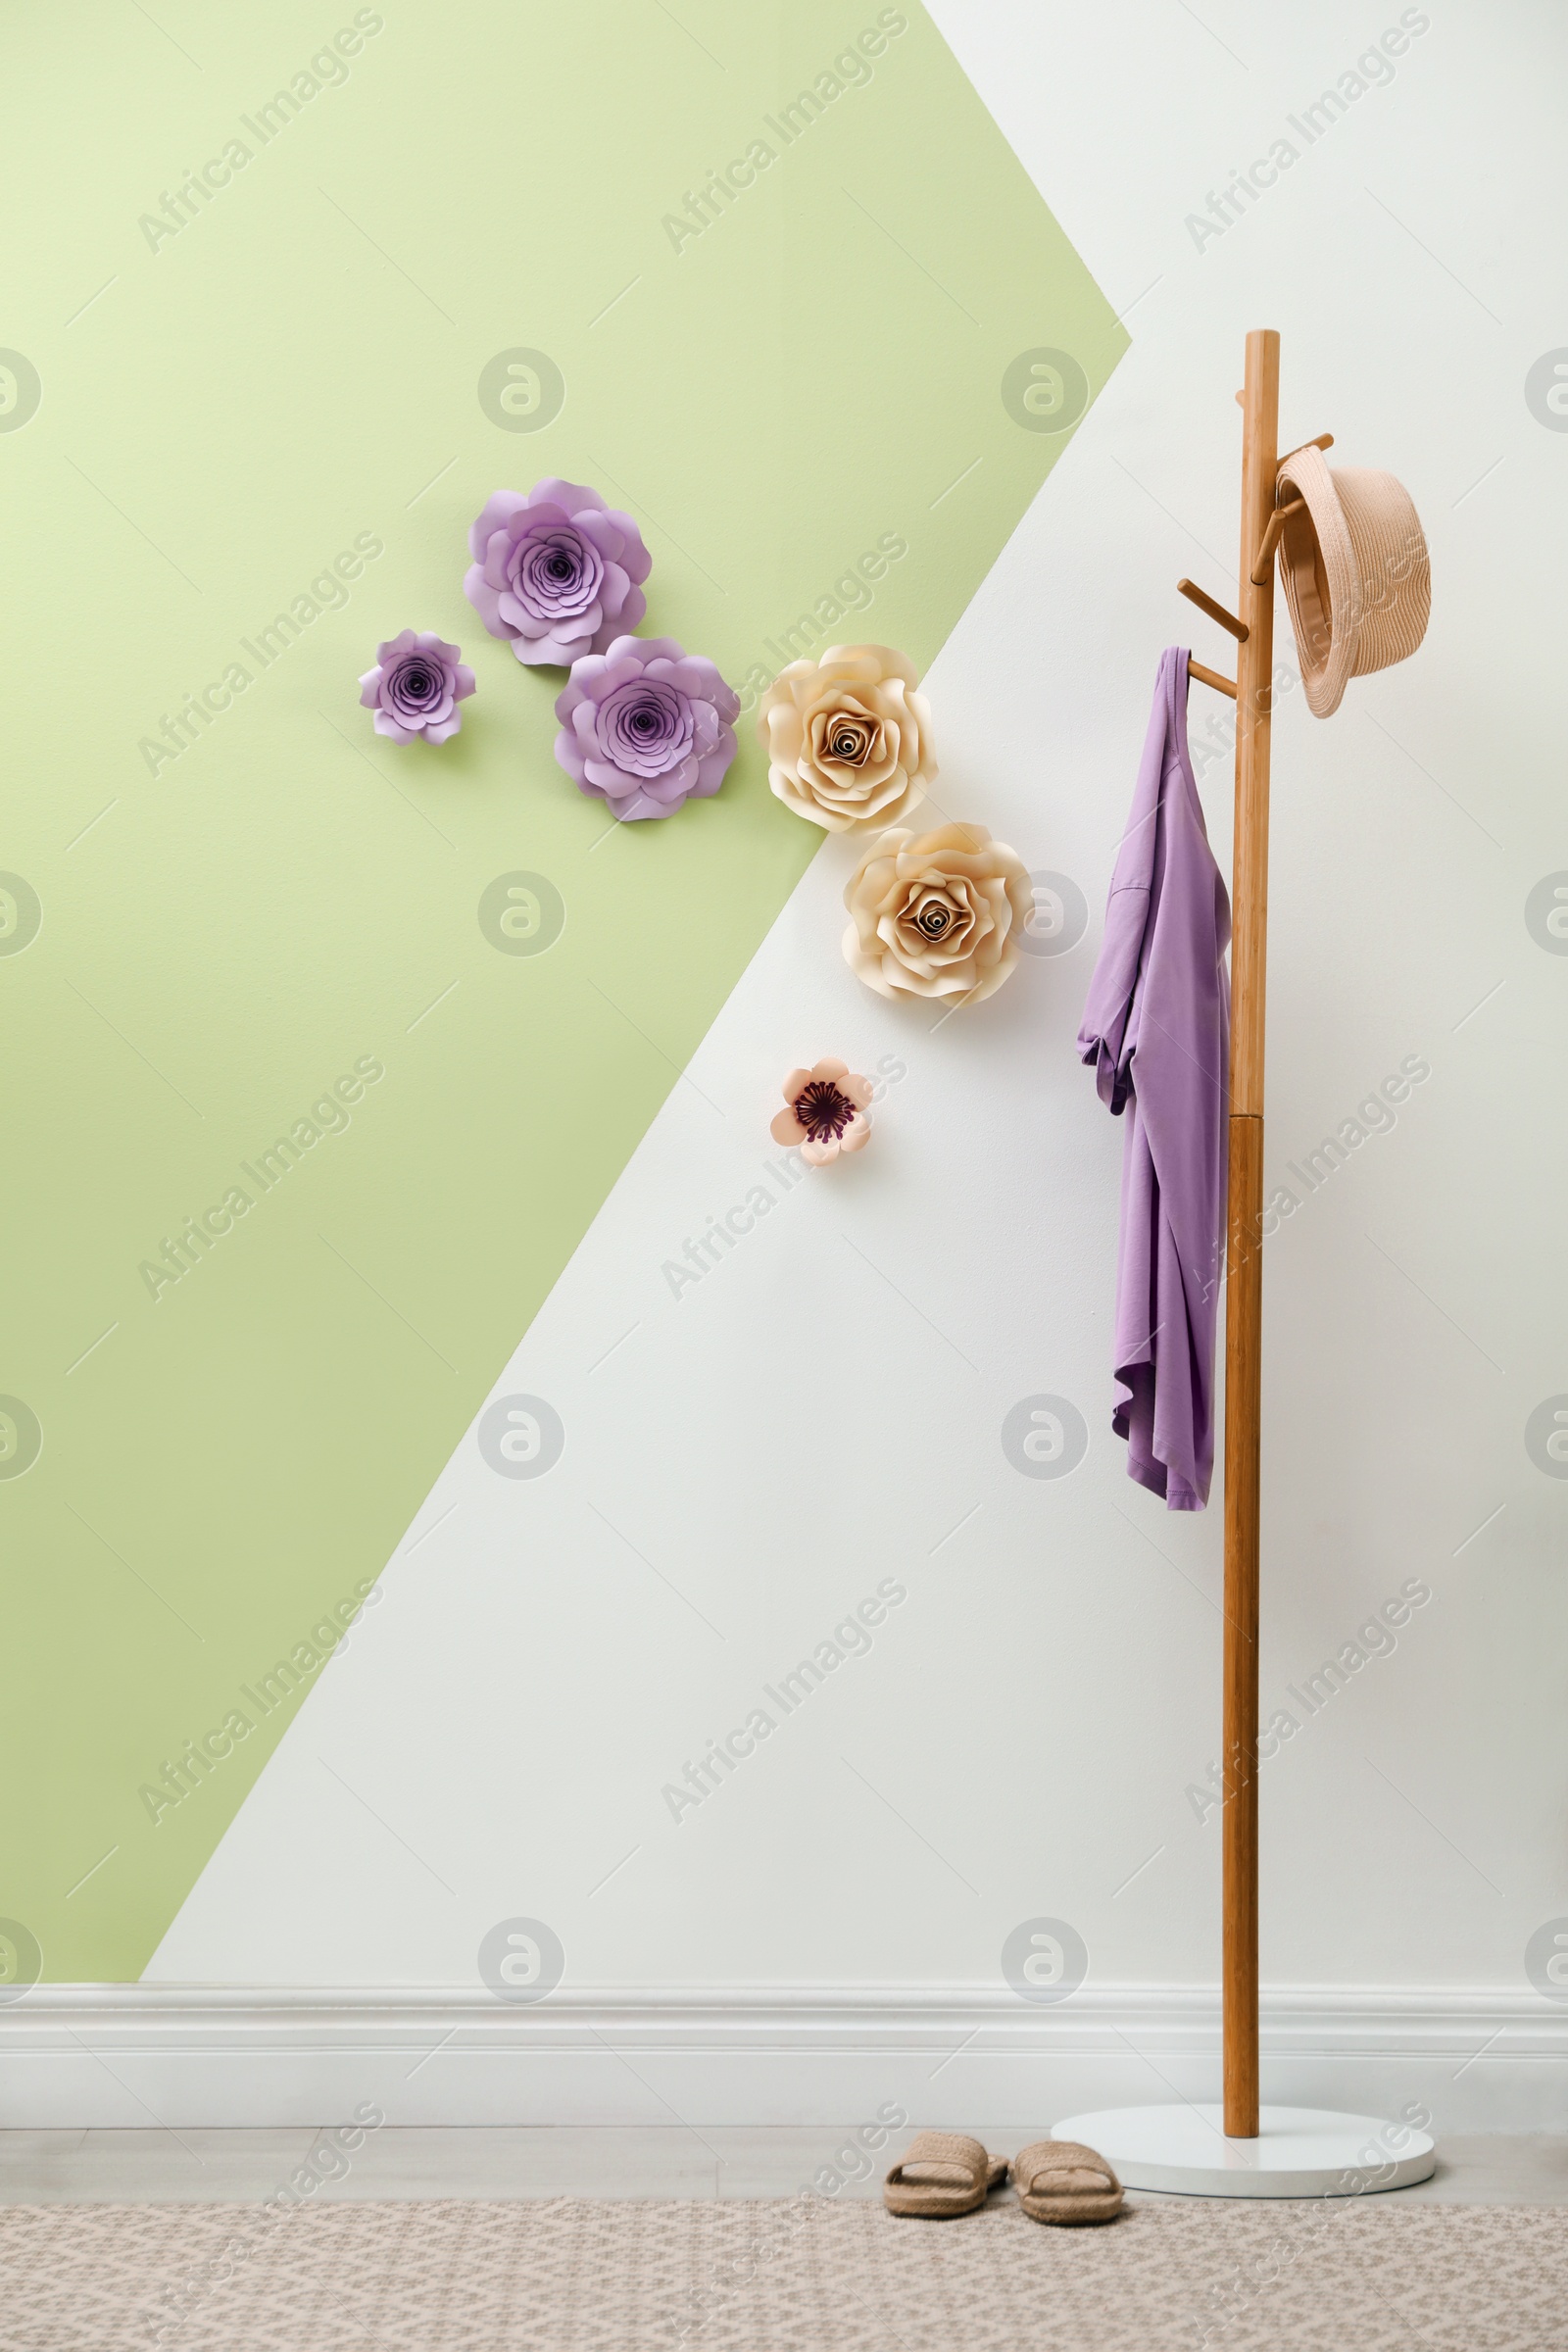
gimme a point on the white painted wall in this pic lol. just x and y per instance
(822, 1413)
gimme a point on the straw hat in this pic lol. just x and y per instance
(1356, 575)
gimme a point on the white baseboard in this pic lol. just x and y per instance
(185, 2056)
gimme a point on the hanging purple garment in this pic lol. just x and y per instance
(1157, 1029)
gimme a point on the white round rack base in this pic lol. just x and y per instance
(1298, 2152)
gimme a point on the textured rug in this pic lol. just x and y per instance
(798, 2276)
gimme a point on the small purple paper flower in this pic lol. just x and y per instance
(646, 726)
(416, 687)
(557, 572)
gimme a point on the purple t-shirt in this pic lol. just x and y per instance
(1156, 1028)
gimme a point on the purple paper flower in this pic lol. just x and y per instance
(416, 687)
(556, 572)
(646, 726)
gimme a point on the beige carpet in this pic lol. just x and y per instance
(789, 2276)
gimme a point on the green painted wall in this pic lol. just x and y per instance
(221, 411)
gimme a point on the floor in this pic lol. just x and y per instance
(218, 2167)
(790, 2274)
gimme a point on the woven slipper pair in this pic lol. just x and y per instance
(943, 2173)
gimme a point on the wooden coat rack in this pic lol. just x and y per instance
(1274, 2152)
(1254, 631)
(1261, 523)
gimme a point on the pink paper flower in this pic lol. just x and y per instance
(557, 573)
(827, 1113)
(416, 687)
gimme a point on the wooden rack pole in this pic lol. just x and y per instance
(1244, 1298)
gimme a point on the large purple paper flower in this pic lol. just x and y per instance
(556, 572)
(417, 686)
(646, 726)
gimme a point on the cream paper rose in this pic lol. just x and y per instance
(938, 916)
(847, 737)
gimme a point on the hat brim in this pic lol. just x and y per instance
(1318, 562)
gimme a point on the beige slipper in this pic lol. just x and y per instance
(1060, 2180)
(941, 2173)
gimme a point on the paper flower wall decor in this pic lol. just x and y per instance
(646, 727)
(826, 1111)
(557, 573)
(938, 916)
(847, 737)
(416, 687)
